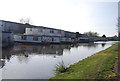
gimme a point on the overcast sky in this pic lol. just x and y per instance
(72, 15)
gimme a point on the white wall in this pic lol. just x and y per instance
(34, 31)
(40, 39)
(28, 39)
(17, 38)
(41, 31)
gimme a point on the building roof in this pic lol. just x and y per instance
(6, 32)
(36, 26)
(31, 25)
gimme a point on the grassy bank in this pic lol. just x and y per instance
(98, 66)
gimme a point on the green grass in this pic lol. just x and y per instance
(98, 66)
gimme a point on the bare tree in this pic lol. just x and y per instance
(25, 20)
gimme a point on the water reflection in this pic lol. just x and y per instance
(23, 51)
(26, 50)
(38, 61)
(103, 44)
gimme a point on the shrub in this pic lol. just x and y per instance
(60, 68)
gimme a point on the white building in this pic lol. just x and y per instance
(27, 39)
(46, 35)
(36, 39)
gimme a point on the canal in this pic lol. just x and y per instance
(39, 61)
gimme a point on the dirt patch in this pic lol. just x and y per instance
(103, 54)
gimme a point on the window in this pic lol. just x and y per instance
(30, 29)
(51, 31)
(9, 29)
(24, 37)
(8, 39)
(59, 31)
(52, 39)
(35, 38)
(40, 30)
(35, 49)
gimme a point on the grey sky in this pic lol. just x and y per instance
(104, 17)
(72, 15)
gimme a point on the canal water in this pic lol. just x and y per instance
(39, 61)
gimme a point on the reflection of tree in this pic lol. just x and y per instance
(23, 59)
(103, 44)
(7, 52)
(2, 63)
(23, 56)
(35, 49)
(89, 45)
(75, 45)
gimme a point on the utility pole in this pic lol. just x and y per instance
(119, 20)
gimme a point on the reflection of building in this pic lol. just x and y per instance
(7, 53)
(23, 52)
(2, 63)
(26, 50)
(89, 45)
(50, 49)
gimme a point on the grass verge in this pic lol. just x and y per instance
(98, 66)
